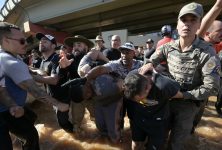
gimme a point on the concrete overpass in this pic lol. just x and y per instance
(91, 17)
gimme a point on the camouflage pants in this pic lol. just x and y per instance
(182, 114)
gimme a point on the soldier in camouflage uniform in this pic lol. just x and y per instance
(194, 64)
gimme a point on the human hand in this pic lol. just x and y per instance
(145, 68)
(64, 62)
(85, 69)
(179, 95)
(16, 111)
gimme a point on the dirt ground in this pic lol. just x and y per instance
(208, 135)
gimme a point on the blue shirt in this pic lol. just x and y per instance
(15, 71)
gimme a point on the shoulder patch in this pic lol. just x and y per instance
(211, 65)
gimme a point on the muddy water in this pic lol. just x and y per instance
(208, 135)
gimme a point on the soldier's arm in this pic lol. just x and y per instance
(211, 77)
(31, 87)
(209, 18)
(158, 56)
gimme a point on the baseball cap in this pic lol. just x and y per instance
(127, 46)
(149, 41)
(39, 36)
(192, 8)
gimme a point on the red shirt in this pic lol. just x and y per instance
(218, 47)
(164, 41)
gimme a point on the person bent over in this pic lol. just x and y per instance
(148, 107)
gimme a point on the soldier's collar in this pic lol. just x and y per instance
(196, 41)
(176, 44)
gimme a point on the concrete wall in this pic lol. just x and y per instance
(139, 40)
(40, 11)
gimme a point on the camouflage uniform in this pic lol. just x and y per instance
(197, 72)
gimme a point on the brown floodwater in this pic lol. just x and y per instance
(208, 135)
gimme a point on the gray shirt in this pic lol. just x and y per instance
(118, 67)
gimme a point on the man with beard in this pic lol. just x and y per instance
(69, 70)
(113, 53)
(119, 68)
(49, 76)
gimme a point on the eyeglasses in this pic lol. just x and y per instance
(22, 41)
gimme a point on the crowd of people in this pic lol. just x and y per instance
(163, 88)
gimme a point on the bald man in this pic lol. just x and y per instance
(214, 33)
(113, 53)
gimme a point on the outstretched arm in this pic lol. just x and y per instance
(31, 87)
(209, 18)
(95, 72)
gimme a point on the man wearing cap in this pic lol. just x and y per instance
(120, 68)
(50, 77)
(99, 43)
(194, 65)
(113, 53)
(18, 82)
(149, 49)
(69, 70)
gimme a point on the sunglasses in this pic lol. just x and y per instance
(22, 41)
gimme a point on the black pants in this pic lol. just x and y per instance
(22, 127)
(219, 97)
(63, 117)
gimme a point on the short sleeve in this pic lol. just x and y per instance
(167, 86)
(14, 68)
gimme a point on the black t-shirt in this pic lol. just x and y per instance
(112, 54)
(36, 62)
(70, 72)
(162, 90)
(50, 65)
